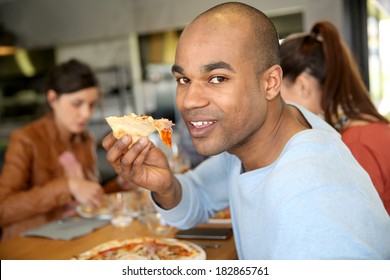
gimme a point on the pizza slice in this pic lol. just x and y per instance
(140, 125)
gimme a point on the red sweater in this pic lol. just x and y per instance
(370, 144)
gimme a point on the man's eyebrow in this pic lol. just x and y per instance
(177, 69)
(217, 65)
(206, 68)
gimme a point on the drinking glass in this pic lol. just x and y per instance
(154, 222)
(122, 208)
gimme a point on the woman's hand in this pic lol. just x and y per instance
(83, 190)
(86, 192)
(71, 165)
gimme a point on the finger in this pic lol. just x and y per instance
(117, 168)
(95, 202)
(116, 151)
(136, 150)
(140, 160)
(97, 198)
(108, 141)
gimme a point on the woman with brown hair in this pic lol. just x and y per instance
(50, 164)
(321, 74)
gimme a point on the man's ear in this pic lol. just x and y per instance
(273, 81)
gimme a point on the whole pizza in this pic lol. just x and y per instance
(146, 248)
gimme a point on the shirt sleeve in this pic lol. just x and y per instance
(204, 191)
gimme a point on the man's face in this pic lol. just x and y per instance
(218, 90)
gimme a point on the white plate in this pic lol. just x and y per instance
(220, 221)
(223, 217)
(102, 214)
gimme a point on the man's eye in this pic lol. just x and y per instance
(217, 79)
(183, 80)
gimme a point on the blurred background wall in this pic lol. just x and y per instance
(44, 23)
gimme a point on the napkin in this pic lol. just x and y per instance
(66, 229)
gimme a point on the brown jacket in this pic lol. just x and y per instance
(33, 189)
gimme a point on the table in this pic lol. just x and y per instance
(37, 248)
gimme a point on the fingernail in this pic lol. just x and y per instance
(143, 141)
(125, 140)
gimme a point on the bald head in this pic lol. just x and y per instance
(263, 42)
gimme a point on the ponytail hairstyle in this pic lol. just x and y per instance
(324, 55)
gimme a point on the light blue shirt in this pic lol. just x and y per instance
(313, 202)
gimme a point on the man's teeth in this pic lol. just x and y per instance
(201, 123)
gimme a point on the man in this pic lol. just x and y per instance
(294, 189)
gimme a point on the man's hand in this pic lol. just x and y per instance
(144, 165)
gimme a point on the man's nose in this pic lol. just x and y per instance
(196, 96)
